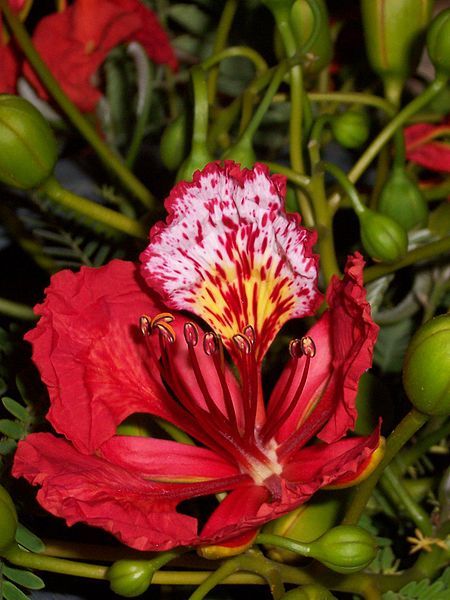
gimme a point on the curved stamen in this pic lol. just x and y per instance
(303, 347)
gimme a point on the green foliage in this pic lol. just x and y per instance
(391, 345)
(28, 540)
(423, 590)
(10, 576)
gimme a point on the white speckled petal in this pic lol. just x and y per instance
(230, 254)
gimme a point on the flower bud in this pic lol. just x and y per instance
(28, 149)
(402, 200)
(319, 54)
(304, 524)
(382, 237)
(426, 368)
(308, 592)
(174, 147)
(392, 31)
(130, 578)
(345, 549)
(351, 128)
(8, 520)
(438, 42)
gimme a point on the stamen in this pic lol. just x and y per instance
(190, 333)
(242, 343)
(298, 347)
(211, 343)
(249, 375)
(145, 325)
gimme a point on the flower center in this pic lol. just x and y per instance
(226, 418)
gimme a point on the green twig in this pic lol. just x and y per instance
(411, 423)
(426, 252)
(16, 310)
(92, 210)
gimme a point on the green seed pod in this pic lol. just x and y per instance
(130, 578)
(173, 147)
(309, 592)
(345, 549)
(402, 200)
(196, 160)
(320, 53)
(393, 31)
(438, 42)
(28, 150)
(426, 368)
(382, 237)
(8, 520)
(351, 129)
(242, 153)
(304, 524)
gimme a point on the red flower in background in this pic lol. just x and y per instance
(9, 61)
(231, 254)
(424, 147)
(75, 42)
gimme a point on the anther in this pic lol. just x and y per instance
(190, 333)
(242, 343)
(167, 331)
(295, 348)
(250, 334)
(210, 343)
(145, 325)
(162, 318)
(308, 346)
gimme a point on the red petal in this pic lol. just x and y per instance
(165, 460)
(9, 70)
(91, 355)
(344, 339)
(323, 464)
(89, 489)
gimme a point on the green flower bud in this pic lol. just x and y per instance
(28, 149)
(130, 578)
(8, 520)
(309, 592)
(319, 54)
(351, 128)
(304, 524)
(438, 42)
(402, 200)
(393, 31)
(382, 237)
(242, 153)
(174, 143)
(345, 549)
(426, 367)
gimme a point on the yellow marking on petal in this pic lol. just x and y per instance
(375, 460)
(223, 305)
(215, 552)
(165, 479)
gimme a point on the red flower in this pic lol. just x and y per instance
(423, 148)
(245, 266)
(9, 70)
(74, 43)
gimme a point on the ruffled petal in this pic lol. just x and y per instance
(89, 489)
(344, 338)
(324, 464)
(165, 460)
(230, 254)
(92, 356)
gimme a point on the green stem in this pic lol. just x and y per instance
(224, 571)
(200, 126)
(55, 565)
(16, 310)
(411, 455)
(398, 121)
(92, 210)
(353, 98)
(220, 41)
(244, 51)
(347, 186)
(142, 110)
(108, 157)
(411, 423)
(283, 542)
(429, 251)
(300, 180)
(414, 510)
